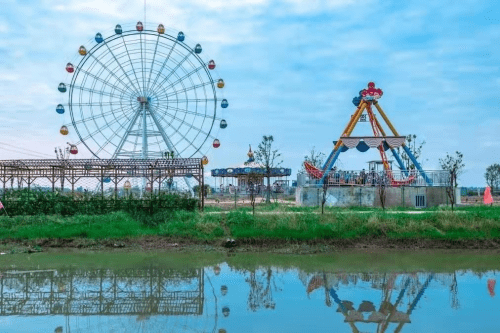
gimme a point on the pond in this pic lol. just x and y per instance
(214, 292)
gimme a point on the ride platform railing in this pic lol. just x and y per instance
(394, 178)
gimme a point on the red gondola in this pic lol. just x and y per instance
(216, 143)
(70, 68)
(73, 149)
(211, 64)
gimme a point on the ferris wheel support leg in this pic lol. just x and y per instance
(124, 137)
(169, 145)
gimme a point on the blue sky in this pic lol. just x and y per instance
(291, 70)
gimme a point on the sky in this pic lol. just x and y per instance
(291, 69)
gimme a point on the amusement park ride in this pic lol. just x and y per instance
(139, 93)
(380, 140)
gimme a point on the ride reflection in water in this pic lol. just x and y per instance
(222, 298)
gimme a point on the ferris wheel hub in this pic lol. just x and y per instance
(144, 100)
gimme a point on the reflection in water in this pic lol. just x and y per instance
(197, 300)
(491, 287)
(143, 292)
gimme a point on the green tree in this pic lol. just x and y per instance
(492, 176)
(267, 158)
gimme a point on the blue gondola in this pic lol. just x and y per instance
(197, 49)
(223, 123)
(118, 29)
(62, 87)
(224, 104)
(98, 37)
(180, 36)
(106, 180)
(60, 109)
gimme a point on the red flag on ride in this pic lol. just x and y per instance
(488, 199)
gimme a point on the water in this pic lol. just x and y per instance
(160, 292)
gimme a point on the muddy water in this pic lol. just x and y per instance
(214, 292)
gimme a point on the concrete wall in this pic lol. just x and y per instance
(344, 196)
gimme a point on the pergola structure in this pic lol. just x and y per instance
(114, 171)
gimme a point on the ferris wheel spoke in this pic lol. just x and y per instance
(142, 65)
(183, 137)
(80, 121)
(132, 87)
(167, 107)
(194, 100)
(131, 64)
(164, 63)
(152, 64)
(188, 89)
(183, 121)
(93, 91)
(123, 70)
(95, 104)
(115, 87)
(179, 64)
(100, 129)
(194, 71)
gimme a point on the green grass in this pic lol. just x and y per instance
(470, 223)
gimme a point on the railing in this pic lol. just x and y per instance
(376, 178)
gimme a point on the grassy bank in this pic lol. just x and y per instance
(478, 223)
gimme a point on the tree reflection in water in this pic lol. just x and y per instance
(261, 294)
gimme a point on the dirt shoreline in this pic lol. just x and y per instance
(148, 243)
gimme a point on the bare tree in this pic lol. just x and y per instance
(382, 183)
(492, 176)
(316, 158)
(455, 165)
(267, 158)
(254, 180)
(415, 148)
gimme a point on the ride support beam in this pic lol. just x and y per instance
(361, 107)
(406, 149)
(387, 121)
(332, 158)
(330, 165)
(417, 165)
(394, 152)
(352, 122)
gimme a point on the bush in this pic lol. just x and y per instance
(35, 202)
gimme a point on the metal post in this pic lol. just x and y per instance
(102, 182)
(53, 180)
(203, 188)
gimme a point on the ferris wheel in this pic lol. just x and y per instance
(141, 93)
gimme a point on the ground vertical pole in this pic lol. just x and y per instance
(102, 182)
(203, 189)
